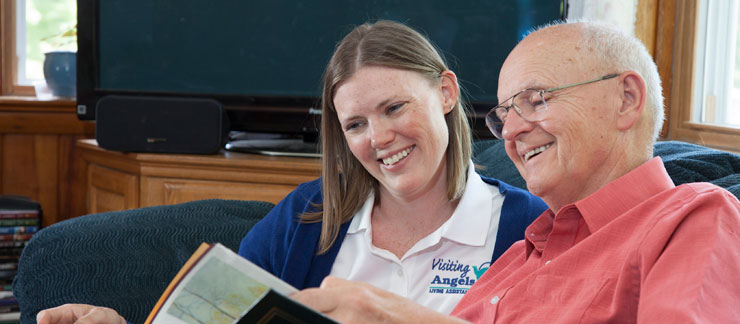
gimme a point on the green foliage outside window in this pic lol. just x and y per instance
(50, 26)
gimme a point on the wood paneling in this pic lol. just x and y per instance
(654, 26)
(664, 54)
(39, 156)
(30, 168)
(646, 21)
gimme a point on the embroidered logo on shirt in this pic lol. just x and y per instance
(453, 276)
(479, 271)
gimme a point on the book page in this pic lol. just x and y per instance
(218, 289)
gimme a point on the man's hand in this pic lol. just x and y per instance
(355, 302)
(79, 314)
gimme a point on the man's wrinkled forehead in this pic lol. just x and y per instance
(546, 58)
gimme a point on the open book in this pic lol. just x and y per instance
(218, 286)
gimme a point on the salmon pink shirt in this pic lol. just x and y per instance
(639, 250)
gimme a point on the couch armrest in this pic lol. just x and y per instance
(124, 260)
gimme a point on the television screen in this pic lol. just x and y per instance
(264, 59)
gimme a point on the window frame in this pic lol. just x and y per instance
(681, 99)
(9, 62)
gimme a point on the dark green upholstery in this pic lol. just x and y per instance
(125, 259)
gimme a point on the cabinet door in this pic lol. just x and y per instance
(110, 190)
(167, 191)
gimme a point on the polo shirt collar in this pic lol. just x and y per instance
(624, 193)
(361, 220)
(469, 222)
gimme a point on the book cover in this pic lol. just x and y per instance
(12, 244)
(10, 252)
(19, 221)
(7, 274)
(16, 237)
(10, 317)
(18, 229)
(217, 285)
(19, 214)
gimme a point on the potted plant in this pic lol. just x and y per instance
(60, 66)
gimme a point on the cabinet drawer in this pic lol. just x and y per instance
(166, 191)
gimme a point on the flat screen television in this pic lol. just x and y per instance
(263, 59)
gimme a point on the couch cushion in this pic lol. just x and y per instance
(687, 162)
(125, 259)
(491, 160)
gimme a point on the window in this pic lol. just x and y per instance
(29, 29)
(703, 98)
(717, 82)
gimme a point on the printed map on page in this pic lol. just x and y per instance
(217, 293)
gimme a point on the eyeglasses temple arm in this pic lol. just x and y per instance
(608, 76)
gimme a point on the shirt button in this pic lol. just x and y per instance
(547, 262)
(494, 300)
(400, 272)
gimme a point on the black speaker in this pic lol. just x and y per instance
(160, 124)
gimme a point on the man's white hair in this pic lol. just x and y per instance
(615, 51)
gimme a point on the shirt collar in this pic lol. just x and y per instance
(624, 193)
(606, 204)
(469, 223)
(361, 220)
(475, 207)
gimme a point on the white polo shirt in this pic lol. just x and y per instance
(438, 269)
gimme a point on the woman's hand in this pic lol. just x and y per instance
(80, 314)
(356, 302)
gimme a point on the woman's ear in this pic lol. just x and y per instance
(450, 90)
(633, 95)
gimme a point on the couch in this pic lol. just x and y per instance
(125, 259)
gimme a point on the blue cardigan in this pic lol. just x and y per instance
(286, 247)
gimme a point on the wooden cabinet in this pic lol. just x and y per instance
(117, 180)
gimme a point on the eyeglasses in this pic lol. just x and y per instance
(530, 104)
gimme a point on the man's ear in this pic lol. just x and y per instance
(450, 90)
(633, 95)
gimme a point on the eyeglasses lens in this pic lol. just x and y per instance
(529, 104)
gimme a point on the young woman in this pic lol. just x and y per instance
(402, 207)
(399, 204)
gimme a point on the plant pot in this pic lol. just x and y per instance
(60, 72)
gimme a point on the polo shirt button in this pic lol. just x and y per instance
(400, 272)
(494, 300)
(547, 262)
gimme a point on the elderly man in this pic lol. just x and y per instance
(580, 111)
(620, 242)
